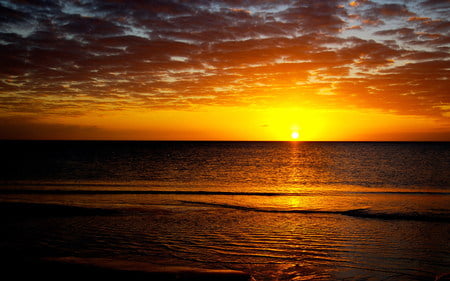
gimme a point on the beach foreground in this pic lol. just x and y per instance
(220, 210)
(73, 268)
(191, 243)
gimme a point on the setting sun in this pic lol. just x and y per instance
(295, 135)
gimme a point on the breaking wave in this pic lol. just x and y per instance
(360, 213)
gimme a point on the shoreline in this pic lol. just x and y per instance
(75, 268)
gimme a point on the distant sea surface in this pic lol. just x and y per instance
(277, 210)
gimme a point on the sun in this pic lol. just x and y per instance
(295, 135)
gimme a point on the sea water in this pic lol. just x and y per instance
(277, 210)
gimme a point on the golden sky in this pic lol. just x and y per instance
(225, 70)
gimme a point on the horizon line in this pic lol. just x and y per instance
(206, 140)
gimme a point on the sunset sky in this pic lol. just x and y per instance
(225, 70)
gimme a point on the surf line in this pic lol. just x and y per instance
(359, 213)
(175, 192)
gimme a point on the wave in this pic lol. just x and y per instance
(262, 210)
(194, 192)
(19, 209)
(173, 192)
(402, 192)
(360, 213)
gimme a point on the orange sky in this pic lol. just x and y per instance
(225, 70)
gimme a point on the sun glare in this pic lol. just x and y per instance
(295, 135)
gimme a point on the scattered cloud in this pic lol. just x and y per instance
(71, 57)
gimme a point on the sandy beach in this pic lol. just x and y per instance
(72, 268)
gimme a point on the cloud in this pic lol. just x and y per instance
(391, 10)
(17, 128)
(439, 5)
(8, 15)
(28, 128)
(319, 15)
(370, 13)
(76, 24)
(73, 57)
(403, 33)
(369, 54)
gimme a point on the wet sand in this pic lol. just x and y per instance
(77, 268)
(73, 268)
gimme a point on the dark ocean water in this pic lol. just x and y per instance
(278, 210)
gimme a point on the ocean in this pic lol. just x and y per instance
(276, 210)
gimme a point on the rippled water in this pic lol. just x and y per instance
(279, 210)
